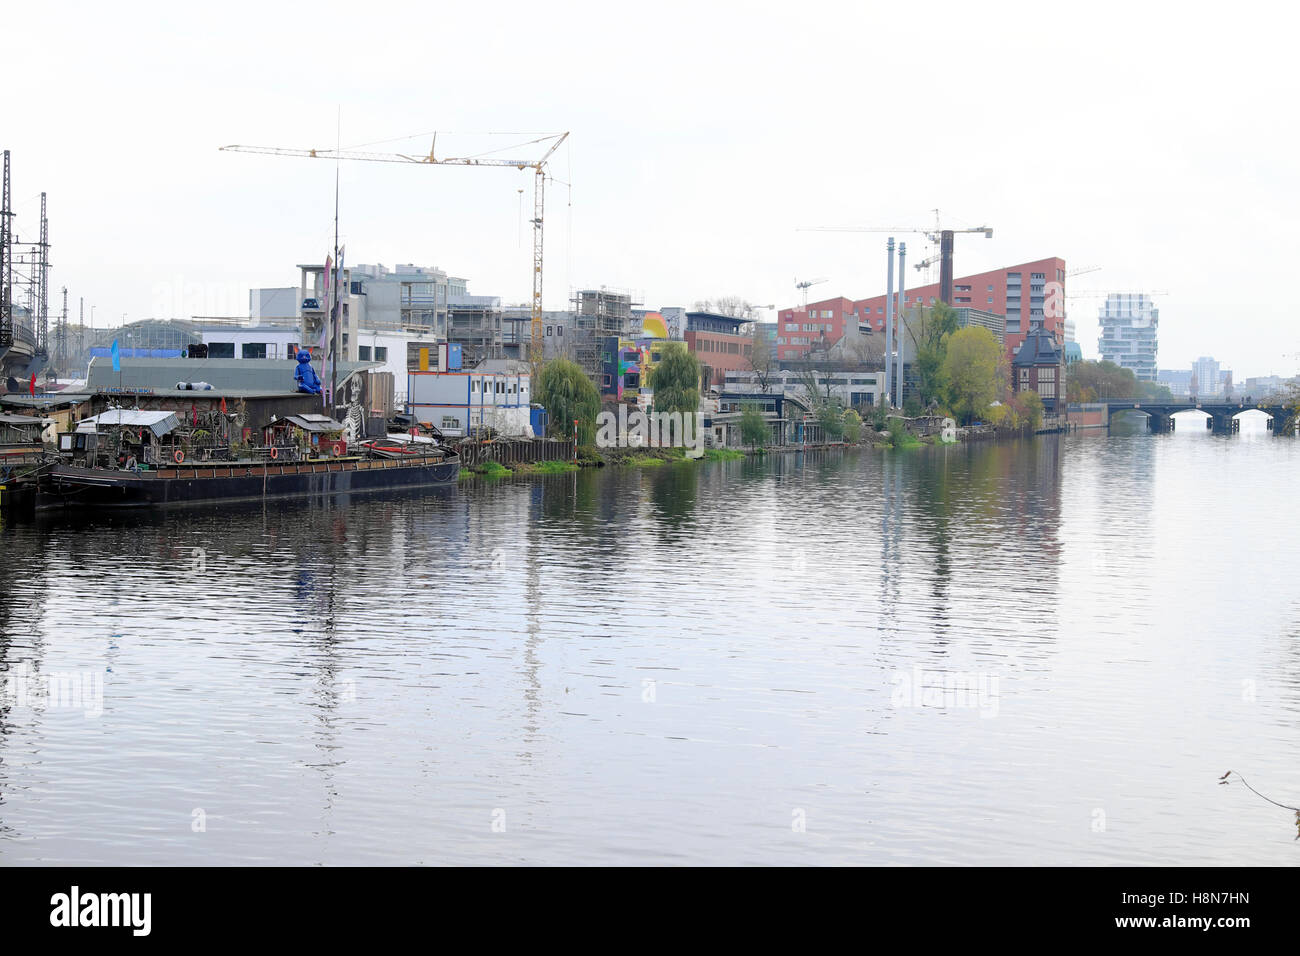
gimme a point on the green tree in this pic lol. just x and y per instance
(929, 329)
(852, 427)
(831, 419)
(676, 380)
(566, 393)
(1029, 409)
(753, 427)
(974, 366)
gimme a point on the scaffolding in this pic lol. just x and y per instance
(599, 314)
(474, 323)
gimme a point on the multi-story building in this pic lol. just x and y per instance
(1026, 293)
(720, 344)
(474, 322)
(496, 395)
(853, 388)
(816, 328)
(599, 314)
(1039, 366)
(1178, 381)
(1129, 325)
(1205, 377)
(997, 324)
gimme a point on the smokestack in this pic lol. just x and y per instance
(889, 326)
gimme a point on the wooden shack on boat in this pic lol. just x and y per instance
(305, 435)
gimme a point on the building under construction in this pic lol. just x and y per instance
(599, 314)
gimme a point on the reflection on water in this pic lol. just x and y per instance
(1037, 652)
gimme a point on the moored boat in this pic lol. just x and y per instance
(126, 458)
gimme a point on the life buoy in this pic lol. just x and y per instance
(339, 448)
(275, 453)
(178, 456)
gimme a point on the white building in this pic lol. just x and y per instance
(853, 389)
(1129, 325)
(1205, 377)
(497, 395)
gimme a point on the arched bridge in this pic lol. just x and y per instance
(1223, 415)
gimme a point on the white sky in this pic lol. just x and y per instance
(1154, 140)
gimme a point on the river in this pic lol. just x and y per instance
(1035, 652)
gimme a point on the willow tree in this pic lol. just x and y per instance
(567, 394)
(676, 380)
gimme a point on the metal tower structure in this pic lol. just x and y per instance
(61, 338)
(6, 265)
(41, 307)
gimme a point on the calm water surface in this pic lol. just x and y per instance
(687, 664)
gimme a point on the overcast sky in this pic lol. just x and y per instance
(1153, 140)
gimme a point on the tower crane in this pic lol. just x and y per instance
(804, 286)
(941, 237)
(538, 166)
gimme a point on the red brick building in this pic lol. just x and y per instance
(719, 344)
(1029, 292)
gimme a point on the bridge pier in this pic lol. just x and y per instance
(1159, 423)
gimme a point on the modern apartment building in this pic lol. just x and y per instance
(1205, 377)
(1026, 293)
(1129, 325)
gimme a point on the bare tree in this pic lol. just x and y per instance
(762, 359)
(732, 305)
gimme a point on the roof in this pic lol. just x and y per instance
(1039, 348)
(45, 401)
(240, 378)
(158, 422)
(22, 420)
(312, 423)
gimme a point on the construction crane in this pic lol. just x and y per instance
(804, 286)
(941, 237)
(538, 166)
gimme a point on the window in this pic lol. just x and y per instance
(221, 350)
(363, 353)
(473, 385)
(356, 288)
(559, 330)
(381, 353)
(450, 421)
(252, 350)
(549, 329)
(1024, 378)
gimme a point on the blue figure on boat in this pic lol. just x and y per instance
(306, 377)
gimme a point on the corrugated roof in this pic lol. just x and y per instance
(158, 422)
(242, 377)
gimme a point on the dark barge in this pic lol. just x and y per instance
(141, 459)
(68, 485)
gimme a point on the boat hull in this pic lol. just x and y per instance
(73, 486)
